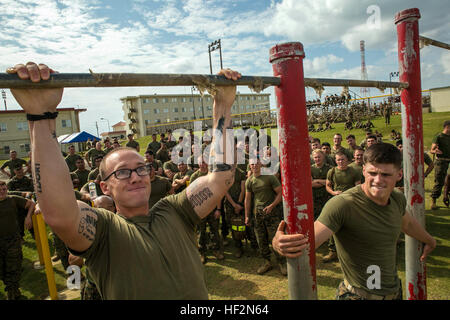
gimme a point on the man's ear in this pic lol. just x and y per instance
(105, 188)
(400, 174)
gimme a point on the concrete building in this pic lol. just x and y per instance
(144, 111)
(14, 133)
(119, 132)
(440, 99)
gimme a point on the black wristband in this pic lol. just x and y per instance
(46, 115)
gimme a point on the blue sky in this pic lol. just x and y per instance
(173, 36)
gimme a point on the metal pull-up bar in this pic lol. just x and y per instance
(424, 41)
(74, 80)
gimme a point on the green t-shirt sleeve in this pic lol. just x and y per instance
(21, 202)
(333, 214)
(427, 159)
(248, 185)
(274, 182)
(4, 165)
(435, 139)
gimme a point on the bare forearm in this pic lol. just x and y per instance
(53, 185)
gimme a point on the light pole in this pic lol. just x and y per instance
(214, 46)
(193, 105)
(391, 75)
(4, 98)
(109, 127)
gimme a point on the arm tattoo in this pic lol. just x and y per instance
(200, 197)
(88, 224)
(37, 177)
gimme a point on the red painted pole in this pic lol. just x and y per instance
(287, 63)
(407, 22)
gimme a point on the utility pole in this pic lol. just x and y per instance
(214, 46)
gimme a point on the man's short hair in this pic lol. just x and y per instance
(350, 136)
(326, 144)
(340, 153)
(102, 166)
(446, 123)
(130, 135)
(315, 140)
(150, 152)
(358, 148)
(317, 151)
(383, 153)
(338, 134)
(372, 136)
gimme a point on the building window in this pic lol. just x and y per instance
(146, 111)
(156, 111)
(183, 109)
(24, 148)
(164, 100)
(175, 109)
(22, 126)
(66, 123)
(155, 100)
(209, 108)
(176, 119)
(166, 110)
(6, 149)
(191, 109)
(3, 127)
(145, 100)
(158, 121)
(147, 121)
(174, 99)
(185, 118)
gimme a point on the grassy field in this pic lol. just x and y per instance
(234, 278)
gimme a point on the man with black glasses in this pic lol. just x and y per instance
(137, 253)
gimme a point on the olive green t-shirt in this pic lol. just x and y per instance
(343, 179)
(154, 256)
(11, 164)
(160, 188)
(93, 174)
(443, 142)
(132, 144)
(320, 173)
(9, 208)
(169, 165)
(179, 175)
(366, 235)
(108, 150)
(197, 174)
(83, 176)
(262, 188)
(154, 146)
(23, 184)
(358, 168)
(92, 154)
(71, 161)
(163, 156)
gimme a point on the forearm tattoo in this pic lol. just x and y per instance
(37, 177)
(200, 197)
(88, 224)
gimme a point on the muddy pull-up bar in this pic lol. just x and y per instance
(424, 41)
(73, 80)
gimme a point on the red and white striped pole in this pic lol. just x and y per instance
(287, 63)
(407, 22)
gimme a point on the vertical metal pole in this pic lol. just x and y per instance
(220, 51)
(409, 66)
(287, 63)
(210, 63)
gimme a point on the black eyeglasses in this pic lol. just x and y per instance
(123, 174)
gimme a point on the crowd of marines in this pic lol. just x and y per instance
(251, 210)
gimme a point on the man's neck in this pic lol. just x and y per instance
(133, 212)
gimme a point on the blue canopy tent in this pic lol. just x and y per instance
(77, 137)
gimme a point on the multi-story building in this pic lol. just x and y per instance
(118, 132)
(14, 133)
(144, 111)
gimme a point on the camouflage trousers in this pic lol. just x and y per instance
(61, 251)
(11, 262)
(343, 293)
(90, 291)
(440, 172)
(266, 226)
(249, 230)
(22, 214)
(319, 201)
(213, 224)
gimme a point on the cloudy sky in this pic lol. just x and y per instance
(172, 36)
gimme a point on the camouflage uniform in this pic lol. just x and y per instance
(89, 290)
(230, 214)
(10, 247)
(266, 225)
(320, 195)
(343, 293)
(441, 163)
(209, 220)
(24, 184)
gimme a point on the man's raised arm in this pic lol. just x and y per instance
(205, 192)
(53, 186)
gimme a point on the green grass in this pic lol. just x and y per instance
(235, 278)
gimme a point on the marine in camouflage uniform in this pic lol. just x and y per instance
(10, 242)
(441, 148)
(20, 182)
(265, 190)
(234, 211)
(319, 172)
(210, 220)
